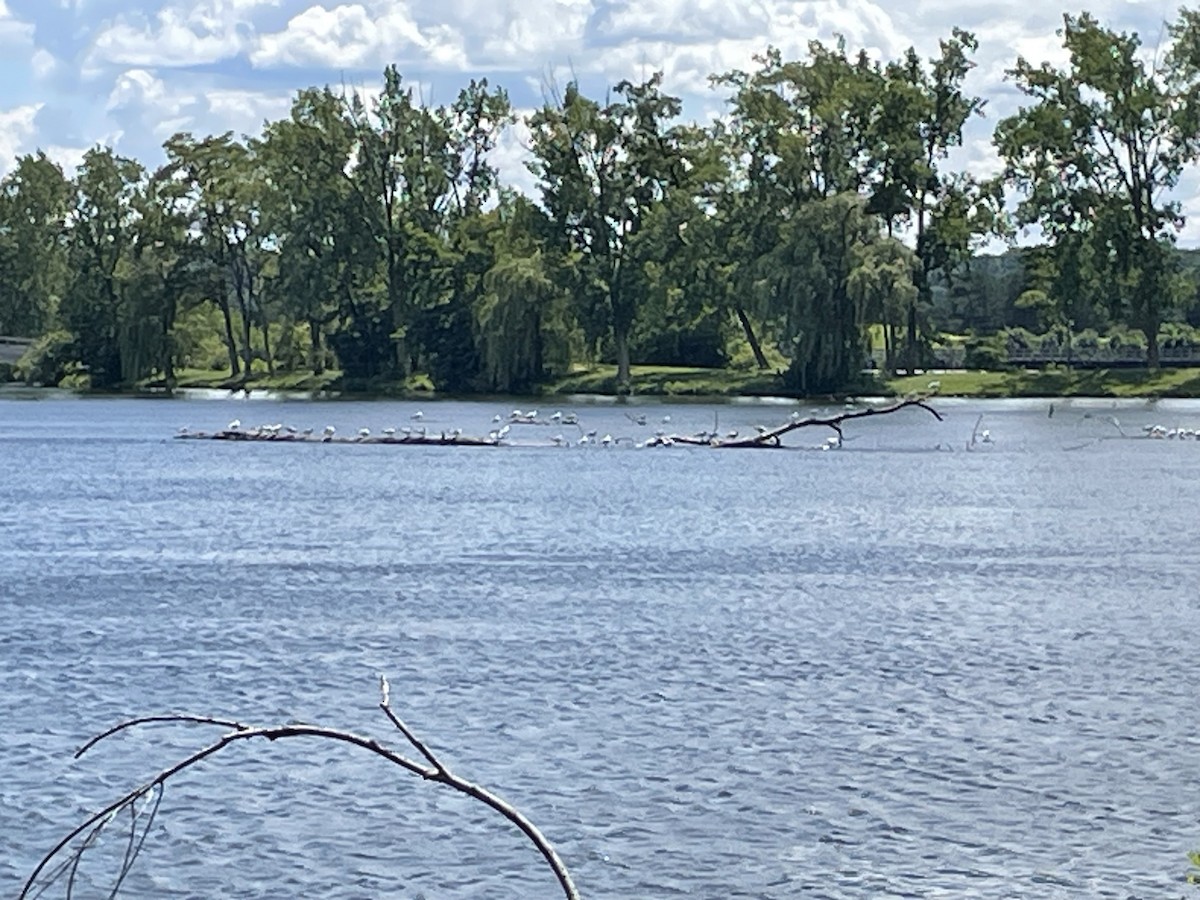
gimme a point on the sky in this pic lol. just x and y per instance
(130, 73)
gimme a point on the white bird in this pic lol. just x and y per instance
(558, 440)
(985, 436)
(666, 419)
(516, 414)
(934, 387)
(417, 416)
(532, 414)
(503, 431)
(364, 432)
(329, 429)
(235, 424)
(557, 417)
(389, 432)
(606, 440)
(496, 418)
(570, 419)
(183, 430)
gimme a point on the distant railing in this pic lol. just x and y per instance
(13, 348)
(1083, 357)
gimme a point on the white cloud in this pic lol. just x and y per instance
(16, 134)
(353, 36)
(244, 111)
(42, 63)
(134, 73)
(12, 29)
(141, 102)
(187, 34)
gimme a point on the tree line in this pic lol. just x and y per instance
(821, 213)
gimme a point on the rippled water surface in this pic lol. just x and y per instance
(887, 670)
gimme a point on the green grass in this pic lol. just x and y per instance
(680, 381)
(677, 381)
(258, 380)
(1058, 383)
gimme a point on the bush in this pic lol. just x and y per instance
(988, 353)
(1125, 339)
(49, 360)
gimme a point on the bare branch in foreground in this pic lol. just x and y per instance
(63, 860)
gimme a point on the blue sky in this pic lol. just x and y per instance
(130, 73)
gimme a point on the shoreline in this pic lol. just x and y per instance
(679, 385)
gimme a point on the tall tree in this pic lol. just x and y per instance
(109, 340)
(601, 170)
(34, 199)
(1100, 147)
(325, 256)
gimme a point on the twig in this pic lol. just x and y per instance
(436, 771)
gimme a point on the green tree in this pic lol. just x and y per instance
(310, 217)
(602, 170)
(109, 340)
(1098, 150)
(34, 199)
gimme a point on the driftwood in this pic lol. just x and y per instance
(141, 805)
(764, 438)
(772, 438)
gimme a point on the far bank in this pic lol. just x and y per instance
(671, 381)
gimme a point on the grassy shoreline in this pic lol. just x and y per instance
(698, 383)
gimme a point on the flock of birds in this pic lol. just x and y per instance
(417, 431)
(502, 425)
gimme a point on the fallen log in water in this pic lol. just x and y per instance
(450, 439)
(763, 439)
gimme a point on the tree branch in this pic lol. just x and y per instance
(42, 877)
(772, 437)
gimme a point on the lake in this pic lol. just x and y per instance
(898, 669)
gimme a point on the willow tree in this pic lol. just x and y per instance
(1098, 150)
(799, 139)
(601, 170)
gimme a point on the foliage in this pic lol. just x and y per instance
(989, 354)
(1095, 155)
(48, 360)
(369, 232)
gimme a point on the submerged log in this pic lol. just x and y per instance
(451, 439)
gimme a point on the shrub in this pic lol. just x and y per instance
(48, 360)
(989, 353)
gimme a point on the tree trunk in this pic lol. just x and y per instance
(911, 355)
(316, 353)
(621, 339)
(1151, 332)
(230, 343)
(247, 351)
(168, 338)
(759, 359)
(266, 336)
